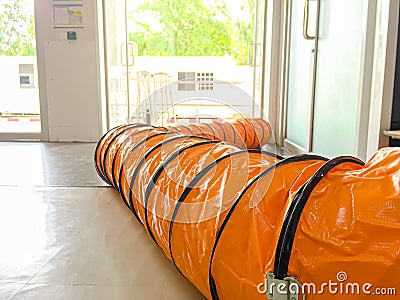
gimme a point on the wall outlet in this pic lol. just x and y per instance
(71, 35)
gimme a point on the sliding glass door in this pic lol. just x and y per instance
(301, 58)
(339, 76)
(19, 93)
(180, 61)
(118, 62)
(325, 56)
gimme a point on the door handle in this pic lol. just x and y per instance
(311, 101)
(132, 52)
(123, 54)
(250, 58)
(306, 18)
(254, 58)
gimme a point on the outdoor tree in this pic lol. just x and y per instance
(243, 32)
(182, 28)
(17, 30)
(194, 28)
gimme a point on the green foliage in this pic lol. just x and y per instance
(190, 28)
(243, 34)
(17, 30)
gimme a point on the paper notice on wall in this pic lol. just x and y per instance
(68, 15)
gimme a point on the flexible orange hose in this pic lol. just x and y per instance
(228, 216)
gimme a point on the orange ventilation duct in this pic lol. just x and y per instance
(248, 224)
(246, 133)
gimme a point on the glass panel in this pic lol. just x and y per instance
(19, 97)
(191, 59)
(299, 77)
(338, 76)
(117, 62)
(259, 59)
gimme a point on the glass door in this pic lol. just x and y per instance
(339, 76)
(183, 61)
(258, 57)
(119, 59)
(324, 78)
(19, 95)
(301, 60)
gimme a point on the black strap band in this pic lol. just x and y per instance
(193, 183)
(292, 218)
(158, 173)
(112, 141)
(294, 159)
(136, 171)
(123, 167)
(97, 157)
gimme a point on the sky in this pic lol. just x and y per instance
(28, 6)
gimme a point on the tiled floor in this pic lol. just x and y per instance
(65, 235)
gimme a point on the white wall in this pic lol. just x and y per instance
(69, 76)
(383, 74)
(14, 98)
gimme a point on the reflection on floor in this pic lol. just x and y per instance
(65, 235)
